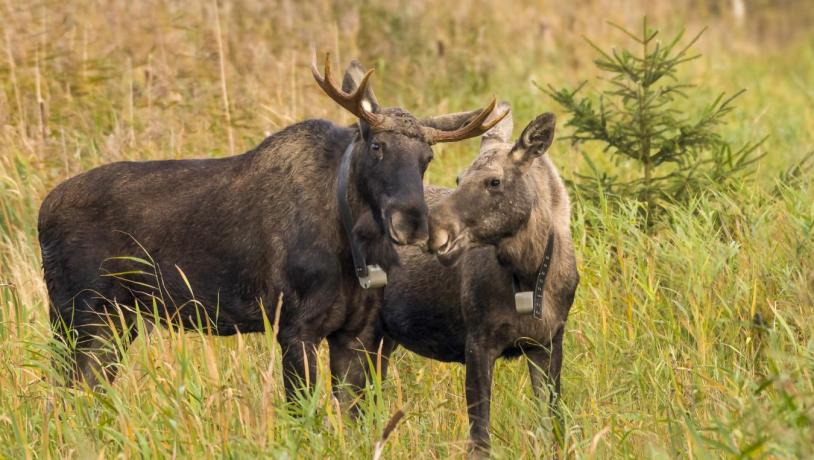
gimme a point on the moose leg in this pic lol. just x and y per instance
(313, 307)
(539, 362)
(545, 366)
(388, 346)
(479, 366)
(349, 370)
(96, 343)
(352, 360)
(299, 366)
(383, 347)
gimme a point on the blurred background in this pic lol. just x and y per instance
(161, 79)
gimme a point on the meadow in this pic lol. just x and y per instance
(693, 339)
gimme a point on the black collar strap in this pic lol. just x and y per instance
(370, 276)
(526, 302)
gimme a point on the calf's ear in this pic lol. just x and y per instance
(501, 133)
(534, 141)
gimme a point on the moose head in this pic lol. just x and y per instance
(391, 153)
(496, 194)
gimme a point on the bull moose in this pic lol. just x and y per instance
(227, 237)
(507, 227)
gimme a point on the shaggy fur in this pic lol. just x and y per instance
(220, 240)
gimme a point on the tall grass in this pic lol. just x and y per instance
(695, 341)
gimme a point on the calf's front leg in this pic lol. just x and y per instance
(545, 368)
(480, 362)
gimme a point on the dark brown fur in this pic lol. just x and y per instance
(243, 230)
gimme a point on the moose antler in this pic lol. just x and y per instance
(473, 128)
(354, 102)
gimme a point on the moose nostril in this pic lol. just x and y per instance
(397, 220)
(440, 241)
(403, 228)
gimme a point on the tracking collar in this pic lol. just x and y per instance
(526, 302)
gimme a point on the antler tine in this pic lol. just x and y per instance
(498, 119)
(475, 127)
(352, 102)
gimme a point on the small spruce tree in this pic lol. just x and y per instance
(638, 120)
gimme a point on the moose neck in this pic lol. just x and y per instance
(352, 196)
(523, 252)
(366, 232)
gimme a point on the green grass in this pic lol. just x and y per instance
(663, 356)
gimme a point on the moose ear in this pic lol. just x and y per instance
(501, 133)
(353, 76)
(535, 140)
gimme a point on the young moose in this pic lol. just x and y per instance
(226, 237)
(496, 225)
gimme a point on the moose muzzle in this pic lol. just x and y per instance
(447, 239)
(407, 224)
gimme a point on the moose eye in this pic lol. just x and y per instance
(494, 183)
(377, 150)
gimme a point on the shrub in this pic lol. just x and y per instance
(636, 117)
